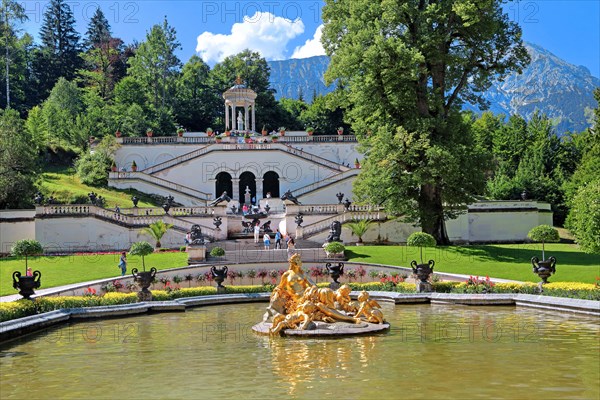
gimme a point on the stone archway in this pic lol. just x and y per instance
(271, 184)
(223, 184)
(247, 179)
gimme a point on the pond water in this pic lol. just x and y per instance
(430, 352)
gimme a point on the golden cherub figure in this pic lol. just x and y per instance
(299, 319)
(343, 301)
(369, 309)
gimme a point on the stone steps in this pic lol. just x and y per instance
(254, 255)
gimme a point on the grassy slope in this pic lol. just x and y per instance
(63, 184)
(63, 270)
(510, 261)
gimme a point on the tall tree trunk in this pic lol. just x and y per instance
(432, 213)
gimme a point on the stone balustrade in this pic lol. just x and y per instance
(233, 139)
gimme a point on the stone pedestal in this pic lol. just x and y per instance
(334, 285)
(144, 296)
(196, 253)
(424, 287)
(221, 290)
(299, 232)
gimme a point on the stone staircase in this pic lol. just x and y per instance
(245, 250)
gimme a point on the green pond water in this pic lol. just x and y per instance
(430, 352)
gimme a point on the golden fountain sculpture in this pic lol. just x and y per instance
(298, 307)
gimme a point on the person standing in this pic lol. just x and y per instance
(123, 263)
(256, 233)
(278, 239)
(267, 241)
(291, 246)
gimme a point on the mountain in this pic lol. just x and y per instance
(549, 84)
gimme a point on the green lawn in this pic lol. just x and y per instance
(497, 261)
(508, 261)
(64, 270)
(65, 186)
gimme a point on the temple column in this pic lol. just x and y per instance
(226, 116)
(253, 118)
(246, 124)
(233, 117)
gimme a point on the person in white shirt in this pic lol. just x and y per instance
(256, 233)
(267, 241)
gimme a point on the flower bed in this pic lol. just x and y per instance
(23, 308)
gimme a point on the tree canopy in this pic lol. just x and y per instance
(406, 73)
(18, 162)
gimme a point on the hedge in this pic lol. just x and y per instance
(23, 308)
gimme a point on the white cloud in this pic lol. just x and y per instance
(263, 32)
(312, 47)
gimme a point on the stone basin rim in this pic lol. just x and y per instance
(22, 326)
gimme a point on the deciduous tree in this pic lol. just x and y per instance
(18, 163)
(407, 72)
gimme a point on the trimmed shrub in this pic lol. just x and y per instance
(217, 252)
(334, 247)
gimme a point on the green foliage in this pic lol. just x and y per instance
(58, 56)
(60, 112)
(141, 249)
(217, 252)
(334, 247)
(12, 13)
(65, 186)
(324, 114)
(155, 66)
(103, 64)
(197, 103)
(359, 227)
(26, 248)
(420, 240)
(157, 230)
(584, 217)
(18, 164)
(544, 233)
(93, 168)
(290, 113)
(407, 85)
(98, 32)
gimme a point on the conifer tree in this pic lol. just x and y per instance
(58, 55)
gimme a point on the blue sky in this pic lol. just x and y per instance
(285, 29)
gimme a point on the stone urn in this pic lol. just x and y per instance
(335, 271)
(219, 276)
(544, 268)
(422, 271)
(144, 279)
(26, 284)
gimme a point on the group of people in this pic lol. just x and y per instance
(289, 240)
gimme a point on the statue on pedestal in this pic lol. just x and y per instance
(240, 121)
(196, 235)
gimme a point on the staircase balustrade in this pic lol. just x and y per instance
(207, 139)
(324, 182)
(325, 224)
(181, 189)
(145, 218)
